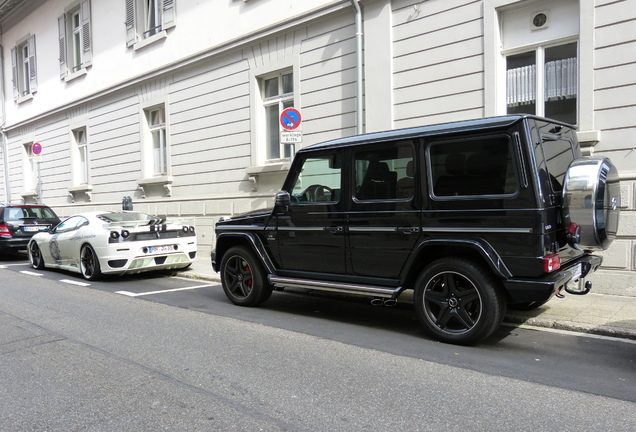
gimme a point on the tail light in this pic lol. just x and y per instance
(551, 263)
(4, 231)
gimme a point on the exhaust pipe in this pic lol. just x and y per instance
(383, 302)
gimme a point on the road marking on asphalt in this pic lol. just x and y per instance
(30, 273)
(72, 282)
(130, 294)
(4, 266)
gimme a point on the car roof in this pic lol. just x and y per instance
(452, 127)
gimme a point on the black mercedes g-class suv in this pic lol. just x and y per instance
(474, 216)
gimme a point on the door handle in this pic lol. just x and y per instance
(408, 230)
(334, 230)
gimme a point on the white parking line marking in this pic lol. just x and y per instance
(72, 282)
(4, 266)
(30, 273)
(129, 294)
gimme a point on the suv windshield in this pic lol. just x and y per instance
(27, 212)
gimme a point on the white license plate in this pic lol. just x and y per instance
(577, 271)
(157, 249)
(31, 228)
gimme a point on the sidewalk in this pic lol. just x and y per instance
(601, 314)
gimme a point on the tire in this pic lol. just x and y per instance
(35, 256)
(89, 263)
(458, 302)
(243, 277)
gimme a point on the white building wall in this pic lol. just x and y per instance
(425, 63)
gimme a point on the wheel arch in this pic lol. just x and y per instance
(226, 240)
(430, 250)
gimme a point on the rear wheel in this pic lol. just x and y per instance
(89, 264)
(35, 256)
(243, 277)
(458, 302)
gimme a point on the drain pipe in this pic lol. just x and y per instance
(3, 114)
(359, 70)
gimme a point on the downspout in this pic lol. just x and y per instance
(5, 158)
(359, 70)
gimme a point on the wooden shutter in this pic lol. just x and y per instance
(131, 30)
(14, 69)
(33, 81)
(61, 28)
(168, 14)
(87, 46)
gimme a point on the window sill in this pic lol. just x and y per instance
(24, 98)
(76, 191)
(150, 40)
(254, 171)
(165, 181)
(29, 194)
(587, 140)
(74, 75)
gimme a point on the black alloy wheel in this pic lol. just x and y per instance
(458, 302)
(243, 277)
(89, 264)
(35, 256)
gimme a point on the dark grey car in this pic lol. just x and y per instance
(19, 222)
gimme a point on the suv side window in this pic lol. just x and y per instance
(385, 172)
(319, 180)
(472, 167)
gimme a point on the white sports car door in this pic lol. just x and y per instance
(65, 240)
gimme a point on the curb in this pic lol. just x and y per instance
(600, 330)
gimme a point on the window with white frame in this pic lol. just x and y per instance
(540, 50)
(74, 33)
(277, 93)
(29, 168)
(147, 19)
(544, 82)
(157, 141)
(80, 161)
(24, 68)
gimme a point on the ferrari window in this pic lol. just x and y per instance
(71, 224)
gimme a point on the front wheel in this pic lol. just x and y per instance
(35, 256)
(458, 302)
(243, 277)
(89, 264)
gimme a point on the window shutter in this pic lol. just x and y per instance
(168, 14)
(14, 69)
(87, 48)
(61, 27)
(131, 31)
(33, 74)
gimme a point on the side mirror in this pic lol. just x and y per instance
(282, 200)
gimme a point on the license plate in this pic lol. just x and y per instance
(157, 249)
(577, 271)
(32, 228)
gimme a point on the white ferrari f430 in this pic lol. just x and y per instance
(102, 242)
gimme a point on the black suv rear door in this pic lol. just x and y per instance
(384, 219)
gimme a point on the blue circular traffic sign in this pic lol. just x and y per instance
(36, 148)
(290, 118)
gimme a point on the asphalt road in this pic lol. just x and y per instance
(157, 352)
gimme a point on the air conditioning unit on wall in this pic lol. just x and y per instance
(539, 20)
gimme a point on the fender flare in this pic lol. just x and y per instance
(483, 248)
(255, 243)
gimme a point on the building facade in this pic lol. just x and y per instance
(176, 103)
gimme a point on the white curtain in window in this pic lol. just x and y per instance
(560, 82)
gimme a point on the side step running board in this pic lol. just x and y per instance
(369, 290)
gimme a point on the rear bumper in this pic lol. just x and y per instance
(542, 289)
(13, 245)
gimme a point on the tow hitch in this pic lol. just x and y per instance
(583, 287)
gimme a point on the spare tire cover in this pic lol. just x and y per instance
(591, 201)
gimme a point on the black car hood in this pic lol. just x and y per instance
(251, 215)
